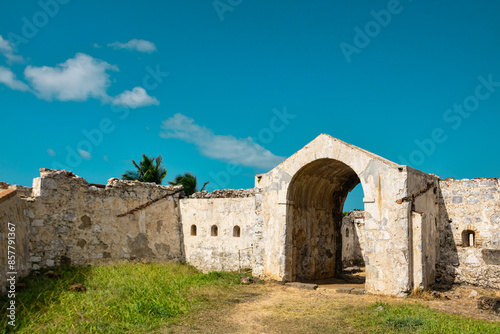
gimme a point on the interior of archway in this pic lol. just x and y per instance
(316, 198)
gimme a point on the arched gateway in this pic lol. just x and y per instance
(300, 204)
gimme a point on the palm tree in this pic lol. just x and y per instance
(188, 181)
(148, 170)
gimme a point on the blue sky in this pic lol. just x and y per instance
(226, 89)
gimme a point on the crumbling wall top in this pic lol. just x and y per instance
(52, 179)
(126, 184)
(225, 193)
(20, 190)
(451, 179)
(356, 214)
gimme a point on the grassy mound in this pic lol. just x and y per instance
(119, 298)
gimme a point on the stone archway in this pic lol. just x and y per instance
(298, 206)
(316, 197)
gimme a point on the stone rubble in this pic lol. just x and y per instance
(225, 193)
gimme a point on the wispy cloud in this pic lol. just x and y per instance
(84, 154)
(8, 78)
(76, 79)
(7, 50)
(51, 152)
(135, 44)
(243, 151)
(136, 98)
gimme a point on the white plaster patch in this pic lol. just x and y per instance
(471, 259)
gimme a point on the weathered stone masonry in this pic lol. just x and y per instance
(66, 220)
(469, 232)
(353, 239)
(13, 209)
(415, 229)
(301, 214)
(219, 229)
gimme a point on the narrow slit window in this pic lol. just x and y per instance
(347, 233)
(468, 238)
(214, 231)
(236, 231)
(193, 230)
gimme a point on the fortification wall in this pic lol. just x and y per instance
(423, 195)
(353, 239)
(218, 229)
(77, 222)
(64, 219)
(469, 232)
(14, 224)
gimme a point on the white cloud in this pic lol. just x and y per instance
(136, 98)
(5, 46)
(84, 154)
(8, 51)
(243, 151)
(8, 78)
(51, 152)
(96, 45)
(76, 79)
(12, 58)
(135, 44)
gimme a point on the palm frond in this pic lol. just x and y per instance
(148, 170)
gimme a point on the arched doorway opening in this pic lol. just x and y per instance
(315, 201)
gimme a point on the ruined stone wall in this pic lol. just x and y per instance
(423, 251)
(72, 221)
(313, 244)
(14, 224)
(386, 221)
(218, 229)
(415, 227)
(353, 239)
(66, 220)
(469, 228)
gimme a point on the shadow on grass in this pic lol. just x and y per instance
(40, 294)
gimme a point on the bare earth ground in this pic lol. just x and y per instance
(273, 308)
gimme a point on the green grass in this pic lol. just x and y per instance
(415, 318)
(120, 298)
(157, 298)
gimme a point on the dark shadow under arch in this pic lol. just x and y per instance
(315, 200)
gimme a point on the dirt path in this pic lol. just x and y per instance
(245, 315)
(278, 309)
